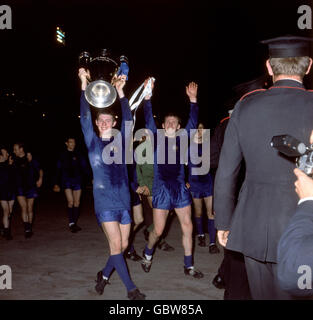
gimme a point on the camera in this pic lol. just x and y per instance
(291, 147)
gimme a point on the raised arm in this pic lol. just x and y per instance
(126, 113)
(85, 114)
(150, 123)
(192, 91)
(119, 85)
(147, 107)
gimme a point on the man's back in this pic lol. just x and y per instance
(267, 199)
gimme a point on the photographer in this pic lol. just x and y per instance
(296, 244)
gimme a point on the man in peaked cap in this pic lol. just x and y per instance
(254, 223)
(232, 275)
(237, 92)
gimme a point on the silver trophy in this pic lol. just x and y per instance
(100, 91)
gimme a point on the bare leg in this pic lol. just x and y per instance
(30, 209)
(138, 216)
(208, 205)
(184, 216)
(76, 197)
(197, 203)
(125, 231)
(159, 221)
(23, 204)
(69, 197)
(6, 213)
(114, 236)
(117, 236)
(11, 204)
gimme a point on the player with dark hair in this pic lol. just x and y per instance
(110, 182)
(169, 190)
(201, 188)
(28, 179)
(71, 167)
(7, 190)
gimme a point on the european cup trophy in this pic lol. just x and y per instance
(100, 91)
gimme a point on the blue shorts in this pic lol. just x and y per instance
(7, 195)
(28, 193)
(71, 185)
(169, 197)
(134, 198)
(121, 216)
(201, 194)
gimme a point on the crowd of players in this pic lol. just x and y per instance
(121, 191)
(21, 177)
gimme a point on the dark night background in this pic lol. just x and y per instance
(215, 43)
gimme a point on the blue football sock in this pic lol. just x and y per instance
(188, 261)
(109, 267)
(199, 226)
(211, 231)
(121, 268)
(75, 214)
(148, 251)
(70, 215)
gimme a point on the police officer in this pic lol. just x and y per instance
(267, 199)
(232, 275)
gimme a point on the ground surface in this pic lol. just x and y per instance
(59, 265)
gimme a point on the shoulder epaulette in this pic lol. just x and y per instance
(224, 119)
(248, 93)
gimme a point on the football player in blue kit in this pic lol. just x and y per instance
(169, 190)
(201, 188)
(71, 168)
(7, 190)
(29, 176)
(110, 182)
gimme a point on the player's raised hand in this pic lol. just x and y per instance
(148, 97)
(192, 91)
(84, 76)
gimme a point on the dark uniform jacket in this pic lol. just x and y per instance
(267, 198)
(216, 142)
(295, 251)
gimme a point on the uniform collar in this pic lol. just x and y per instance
(288, 83)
